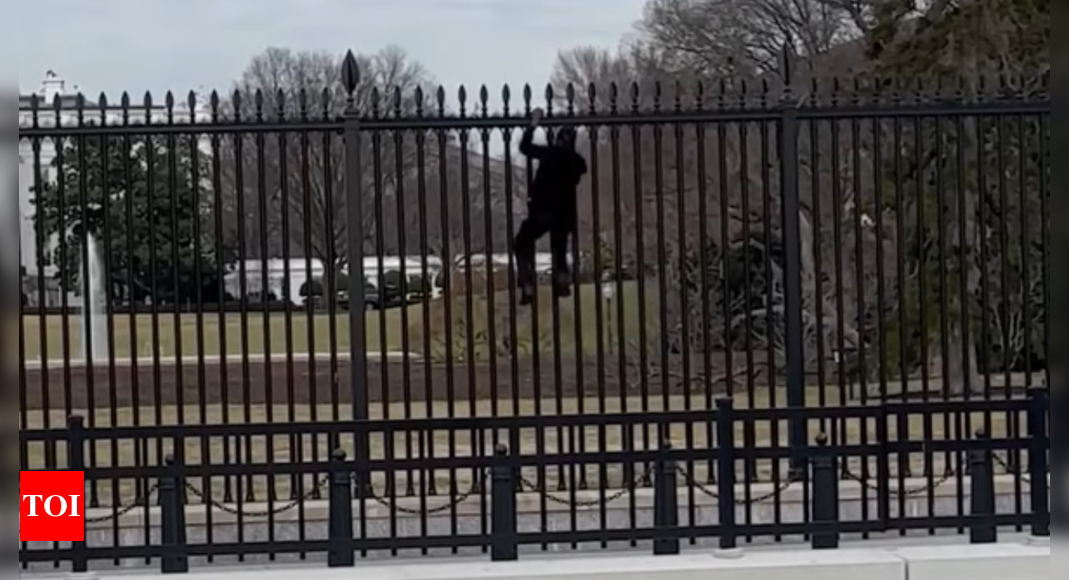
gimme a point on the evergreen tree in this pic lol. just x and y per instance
(972, 188)
(144, 200)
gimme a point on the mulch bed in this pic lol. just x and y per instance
(305, 383)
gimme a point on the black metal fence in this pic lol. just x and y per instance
(251, 283)
(679, 508)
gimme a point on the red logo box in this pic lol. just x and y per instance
(52, 506)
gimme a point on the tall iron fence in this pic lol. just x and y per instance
(243, 261)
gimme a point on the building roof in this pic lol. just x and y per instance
(70, 103)
(66, 102)
(53, 87)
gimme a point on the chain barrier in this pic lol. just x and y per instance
(456, 500)
(237, 511)
(122, 511)
(531, 487)
(909, 491)
(1010, 469)
(584, 504)
(740, 502)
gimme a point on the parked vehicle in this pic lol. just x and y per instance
(374, 299)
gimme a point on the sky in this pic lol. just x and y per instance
(158, 45)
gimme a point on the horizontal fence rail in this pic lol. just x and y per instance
(251, 283)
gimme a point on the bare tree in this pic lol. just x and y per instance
(301, 174)
(591, 72)
(851, 243)
(682, 46)
(744, 37)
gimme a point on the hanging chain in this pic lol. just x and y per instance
(1010, 469)
(907, 492)
(741, 502)
(122, 511)
(237, 511)
(529, 486)
(584, 504)
(455, 501)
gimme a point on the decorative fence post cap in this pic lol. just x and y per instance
(350, 73)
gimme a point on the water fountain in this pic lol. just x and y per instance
(94, 305)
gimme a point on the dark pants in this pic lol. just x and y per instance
(560, 225)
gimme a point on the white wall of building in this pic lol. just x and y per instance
(27, 184)
(9, 198)
(51, 87)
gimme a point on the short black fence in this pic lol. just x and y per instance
(984, 490)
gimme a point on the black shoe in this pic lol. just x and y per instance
(526, 296)
(562, 285)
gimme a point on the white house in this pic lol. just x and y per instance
(36, 159)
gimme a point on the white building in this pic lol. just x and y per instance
(10, 208)
(52, 87)
(34, 166)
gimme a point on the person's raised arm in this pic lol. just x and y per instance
(527, 145)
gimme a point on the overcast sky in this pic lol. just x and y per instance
(157, 45)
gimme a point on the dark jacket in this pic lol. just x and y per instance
(559, 171)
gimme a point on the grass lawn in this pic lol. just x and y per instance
(278, 333)
(284, 449)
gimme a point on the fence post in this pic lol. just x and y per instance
(791, 209)
(1058, 464)
(666, 503)
(340, 502)
(725, 473)
(982, 529)
(825, 496)
(1038, 463)
(503, 541)
(354, 196)
(76, 441)
(883, 464)
(172, 519)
